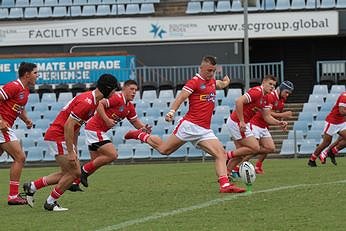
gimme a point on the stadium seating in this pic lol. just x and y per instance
(34, 154)
(297, 4)
(223, 6)
(193, 8)
(287, 147)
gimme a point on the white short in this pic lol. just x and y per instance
(7, 136)
(332, 129)
(57, 148)
(233, 128)
(187, 131)
(95, 137)
(259, 132)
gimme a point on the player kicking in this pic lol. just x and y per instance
(109, 112)
(13, 98)
(334, 124)
(239, 121)
(195, 125)
(62, 137)
(259, 126)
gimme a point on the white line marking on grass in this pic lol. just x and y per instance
(206, 204)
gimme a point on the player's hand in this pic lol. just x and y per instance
(226, 81)
(72, 156)
(147, 128)
(242, 126)
(111, 122)
(283, 125)
(170, 115)
(4, 125)
(28, 124)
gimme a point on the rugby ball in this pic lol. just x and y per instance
(247, 172)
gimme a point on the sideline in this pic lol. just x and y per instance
(207, 204)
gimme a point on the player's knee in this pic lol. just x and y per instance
(255, 149)
(19, 158)
(77, 173)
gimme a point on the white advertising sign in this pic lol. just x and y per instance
(156, 29)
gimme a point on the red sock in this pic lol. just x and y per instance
(56, 193)
(259, 164)
(76, 181)
(313, 157)
(223, 181)
(89, 167)
(230, 154)
(14, 185)
(335, 150)
(236, 168)
(143, 136)
(40, 183)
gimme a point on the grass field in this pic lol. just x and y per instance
(184, 196)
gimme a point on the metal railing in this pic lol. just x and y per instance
(179, 74)
(330, 69)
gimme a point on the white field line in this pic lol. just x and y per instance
(207, 204)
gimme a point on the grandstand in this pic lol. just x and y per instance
(310, 52)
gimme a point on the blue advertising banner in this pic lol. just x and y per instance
(81, 69)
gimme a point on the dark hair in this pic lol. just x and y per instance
(270, 77)
(130, 82)
(25, 67)
(209, 59)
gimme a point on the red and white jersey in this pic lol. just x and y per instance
(81, 108)
(15, 98)
(201, 100)
(116, 108)
(334, 117)
(255, 102)
(275, 103)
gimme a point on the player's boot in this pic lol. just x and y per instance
(18, 200)
(84, 178)
(259, 170)
(312, 163)
(75, 188)
(133, 134)
(54, 207)
(332, 158)
(232, 188)
(29, 194)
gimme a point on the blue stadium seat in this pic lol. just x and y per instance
(268, 5)
(282, 5)
(223, 6)
(287, 147)
(3, 13)
(76, 11)
(132, 9)
(337, 89)
(314, 135)
(34, 154)
(88, 10)
(40, 107)
(181, 152)
(307, 147)
(320, 90)
(120, 9)
(103, 10)
(160, 105)
(154, 112)
(109, 2)
(311, 107)
(236, 6)
(142, 151)
(45, 12)
(193, 8)
(312, 4)
(256, 7)
(157, 155)
(94, 2)
(341, 4)
(51, 2)
(317, 125)
(149, 95)
(297, 4)
(314, 98)
(65, 3)
(300, 125)
(22, 3)
(84, 153)
(36, 3)
(224, 110)
(321, 115)
(27, 142)
(326, 4)
(193, 151)
(64, 97)
(219, 118)
(124, 1)
(80, 2)
(332, 98)
(33, 98)
(42, 123)
(208, 7)
(7, 3)
(295, 134)
(306, 116)
(16, 13)
(147, 8)
(48, 97)
(48, 157)
(166, 95)
(30, 12)
(230, 146)
(57, 106)
(35, 115)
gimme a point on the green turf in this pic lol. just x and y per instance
(184, 196)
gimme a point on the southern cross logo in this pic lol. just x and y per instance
(157, 31)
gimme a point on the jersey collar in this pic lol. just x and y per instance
(94, 96)
(199, 76)
(21, 83)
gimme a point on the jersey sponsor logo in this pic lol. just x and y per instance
(17, 108)
(202, 87)
(121, 108)
(88, 100)
(116, 117)
(209, 98)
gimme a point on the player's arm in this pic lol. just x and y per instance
(221, 84)
(101, 110)
(69, 134)
(266, 113)
(24, 117)
(283, 115)
(183, 95)
(137, 123)
(239, 109)
(3, 124)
